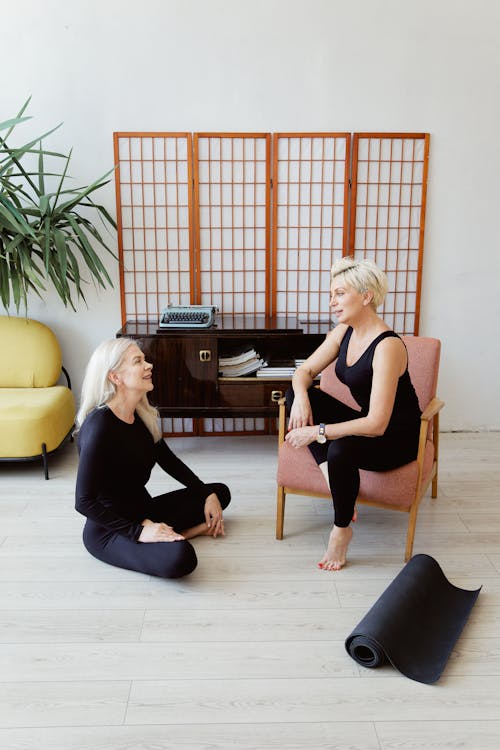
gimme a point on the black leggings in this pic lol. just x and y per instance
(180, 509)
(347, 455)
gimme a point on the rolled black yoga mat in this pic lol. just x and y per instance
(415, 623)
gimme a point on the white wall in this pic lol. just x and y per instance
(271, 65)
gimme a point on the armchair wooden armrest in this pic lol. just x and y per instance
(281, 420)
(431, 412)
(432, 408)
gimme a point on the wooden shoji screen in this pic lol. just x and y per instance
(154, 200)
(388, 202)
(212, 245)
(310, 205)
(154, 212)
(232, 221)
(232, 231)
(195, 226)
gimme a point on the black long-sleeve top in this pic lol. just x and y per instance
(116, 460)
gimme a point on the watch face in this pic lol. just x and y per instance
(321, 438)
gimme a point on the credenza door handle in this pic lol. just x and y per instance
(205, 355)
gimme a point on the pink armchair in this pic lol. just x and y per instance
(399, 489)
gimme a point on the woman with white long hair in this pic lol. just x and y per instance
(119, 442)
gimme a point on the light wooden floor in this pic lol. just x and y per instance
(248, 652)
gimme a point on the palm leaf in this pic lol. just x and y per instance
(63, 177)
(13, 219)
(60, 242)
(19, 117)
(81, 193)
(41, 180)
(91, 258)
(11, 124)
(15, 155)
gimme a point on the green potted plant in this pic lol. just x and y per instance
(46, 234)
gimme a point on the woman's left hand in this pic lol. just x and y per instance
(301, 436)
(213, 515)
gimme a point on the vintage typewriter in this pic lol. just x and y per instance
(188, 316)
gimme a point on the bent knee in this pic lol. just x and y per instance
(342, 450)
(178, 561)
(222, 491)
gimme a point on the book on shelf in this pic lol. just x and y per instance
(247, 368)
(245, 363)
(249, 362)
(276, 373)
(238, 359)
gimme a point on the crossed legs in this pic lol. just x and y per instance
(340, 461)
(181, 510)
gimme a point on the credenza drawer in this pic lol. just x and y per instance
(241, 392)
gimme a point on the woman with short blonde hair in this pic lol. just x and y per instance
(372, 361)
(364, 276)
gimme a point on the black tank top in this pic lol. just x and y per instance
(359, 376)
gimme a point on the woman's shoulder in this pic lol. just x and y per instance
(338, 333)
(389, 346)
(387, 339)
(97, 421)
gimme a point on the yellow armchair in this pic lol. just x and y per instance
(36, 414)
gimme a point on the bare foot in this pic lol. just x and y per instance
(202, 529)
(336, 553)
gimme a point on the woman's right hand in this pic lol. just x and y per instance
(300, 413)
(158, 532)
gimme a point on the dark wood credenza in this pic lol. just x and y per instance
(186, 368)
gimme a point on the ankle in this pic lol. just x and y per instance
(341, 530)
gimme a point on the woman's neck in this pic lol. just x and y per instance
(368, 326)
(123, 407)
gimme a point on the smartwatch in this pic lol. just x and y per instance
(321, 437)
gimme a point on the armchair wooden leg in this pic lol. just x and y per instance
(280, 512)
(410, 536)
(434, 487)
(434, 490)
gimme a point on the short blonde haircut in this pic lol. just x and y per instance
(97, 388)
(364, 276)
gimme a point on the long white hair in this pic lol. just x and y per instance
(97, 388)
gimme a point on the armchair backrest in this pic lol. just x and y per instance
(423, 365)
(30, 354)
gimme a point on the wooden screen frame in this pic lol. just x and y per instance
(117, 137)
(318, 312)
(353, 250)
(266, 137)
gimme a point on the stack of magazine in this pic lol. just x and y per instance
(250, 362)
(276, 373)
(280, 373)
(245, 363)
